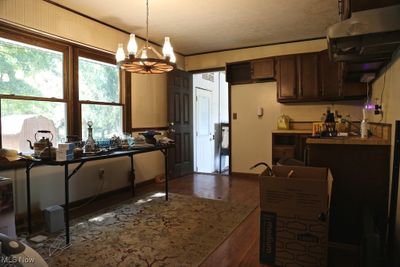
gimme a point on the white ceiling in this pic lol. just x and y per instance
(197, 26)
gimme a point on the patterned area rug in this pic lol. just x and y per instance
(149, 231)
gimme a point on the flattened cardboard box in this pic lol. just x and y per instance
(294, 216)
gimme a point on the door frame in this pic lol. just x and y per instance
(220, 69)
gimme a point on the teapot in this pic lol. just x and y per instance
(42, 148)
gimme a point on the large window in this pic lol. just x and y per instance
(47, 84)
(32, 93)
(99, 96)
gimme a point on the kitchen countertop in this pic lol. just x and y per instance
(351, 140)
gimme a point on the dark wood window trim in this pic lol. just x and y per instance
(127, 116)
(77, 104)
(70, 51)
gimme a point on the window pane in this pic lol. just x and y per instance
(107, 120)
(98, 81)
(29, 70)
(21, 119)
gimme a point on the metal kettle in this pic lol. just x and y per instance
(42, 148)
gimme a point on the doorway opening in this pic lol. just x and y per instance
(210, 127)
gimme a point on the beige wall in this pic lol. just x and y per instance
(252, 136)
(149, 100)
(389, 82)
(219, 59)
(148, 106)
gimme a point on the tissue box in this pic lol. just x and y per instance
(63, 156)
(66, 147)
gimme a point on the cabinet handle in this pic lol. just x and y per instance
(301, 91)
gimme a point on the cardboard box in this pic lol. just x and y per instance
(295, 216)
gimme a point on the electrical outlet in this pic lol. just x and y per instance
(378, 109)
(101, 174)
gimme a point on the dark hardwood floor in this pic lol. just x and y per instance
(241, 248)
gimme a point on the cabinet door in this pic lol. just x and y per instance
(308, 76)
(286, 78)
(354, 90)
(238, 73)
(301, 146)
(330, 78)
(262, 68)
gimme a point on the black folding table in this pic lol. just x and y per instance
(30, 163)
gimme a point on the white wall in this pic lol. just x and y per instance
(388, 86)
(149, 100)
(252, 136)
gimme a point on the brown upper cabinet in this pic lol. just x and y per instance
(262, 68)
(313, 77)
(307, 69)
(297, 78)
(308, 77)
(332, 82)
(286, 77)
(238, 73)
(330, 77)
(353, 90)
(257, 70)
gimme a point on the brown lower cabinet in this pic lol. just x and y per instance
(360, 180)
(288, 146)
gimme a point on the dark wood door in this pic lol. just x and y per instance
(180, 114)
(286, 78)
(330, 78)
(307, 66)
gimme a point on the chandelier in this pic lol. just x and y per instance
(146, 60)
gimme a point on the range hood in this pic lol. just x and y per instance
(367, 36)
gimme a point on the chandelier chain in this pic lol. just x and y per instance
(147, 23)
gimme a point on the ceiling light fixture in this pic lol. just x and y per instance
(146, 60)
